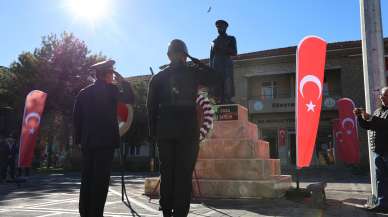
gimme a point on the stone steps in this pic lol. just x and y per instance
(234, 148)
(233, 162)
(274, 187)
(237, 169)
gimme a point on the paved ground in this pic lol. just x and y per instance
(57, 195)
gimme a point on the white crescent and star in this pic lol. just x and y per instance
(310, 78)
(344, 121)
(28, 117)
(337, 135)
(307, 79)
(310, 106)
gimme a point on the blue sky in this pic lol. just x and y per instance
(136, 32)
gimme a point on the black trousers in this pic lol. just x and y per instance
(3, 168)
(177, 161)
(4, 165)
(96, 169)
(381, 162)
(11, 164)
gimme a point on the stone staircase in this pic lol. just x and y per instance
(234, 163)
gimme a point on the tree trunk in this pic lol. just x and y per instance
(67, 143)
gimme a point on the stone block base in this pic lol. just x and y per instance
(237, 169)
(215, 188)
(233, 162)
(152, 186)
(233, 148)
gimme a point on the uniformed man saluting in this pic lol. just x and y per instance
(97, 132)
(174, 126)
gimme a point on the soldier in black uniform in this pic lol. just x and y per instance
(97, 132)
(174, 126)
(223, 48)
(13, 151)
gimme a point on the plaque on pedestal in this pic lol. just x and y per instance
(226, 112)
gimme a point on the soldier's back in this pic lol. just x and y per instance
(176, 89)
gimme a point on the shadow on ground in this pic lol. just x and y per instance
(286, 208)
(36, 187)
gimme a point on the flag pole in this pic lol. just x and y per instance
(297, 178)
(373, 66)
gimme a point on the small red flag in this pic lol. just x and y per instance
(282, 137)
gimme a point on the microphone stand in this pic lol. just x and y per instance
(123, 156)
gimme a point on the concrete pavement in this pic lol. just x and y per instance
(57, 195)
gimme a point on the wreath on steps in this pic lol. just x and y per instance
(205, 114)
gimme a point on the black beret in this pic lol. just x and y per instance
(102, 66)
(219, 22)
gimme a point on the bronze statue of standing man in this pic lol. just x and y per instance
(223, 48)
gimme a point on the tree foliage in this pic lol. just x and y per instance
(58, 67)
(64, 63)
(139, 129)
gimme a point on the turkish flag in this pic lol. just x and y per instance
(310, 65)
(33, 109)
(338, 139)
(348, 126)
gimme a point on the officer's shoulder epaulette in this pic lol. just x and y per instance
(231, 37)
(164, 69)
(83, 90)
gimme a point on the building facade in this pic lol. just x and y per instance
(265, 84)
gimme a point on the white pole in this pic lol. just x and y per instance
(373, 62)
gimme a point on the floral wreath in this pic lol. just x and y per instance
(206, 113)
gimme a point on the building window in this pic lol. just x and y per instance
(135, 150)
(269, 90)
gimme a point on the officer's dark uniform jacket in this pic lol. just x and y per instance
(171, 100)
(95, 115)
(379, 127)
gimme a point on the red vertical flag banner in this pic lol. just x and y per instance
(33, 109)
(310, 66)
(348, 126)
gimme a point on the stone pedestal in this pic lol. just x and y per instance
(233, 162)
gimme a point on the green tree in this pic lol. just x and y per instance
(6, 81)
(139, 129)
(60, 68)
